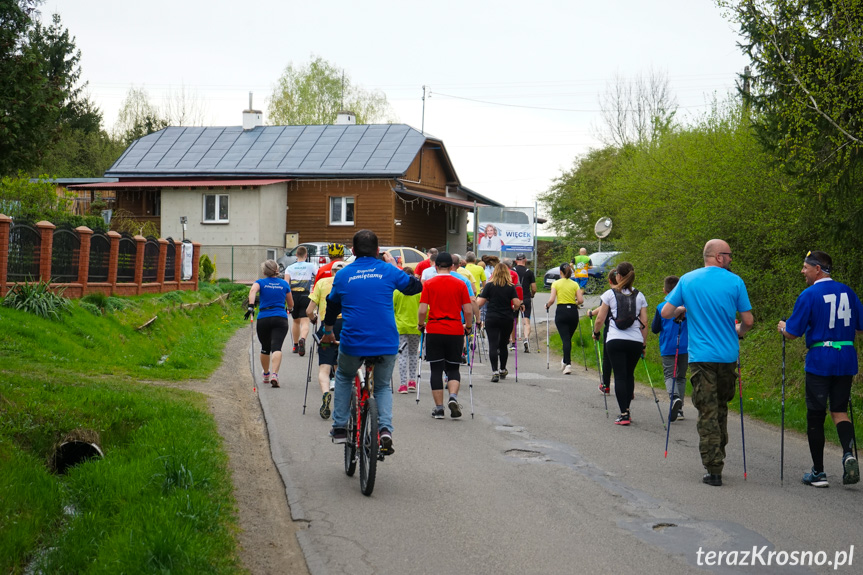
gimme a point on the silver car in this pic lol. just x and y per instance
(317, 255)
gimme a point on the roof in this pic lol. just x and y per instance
(176, 184)
(467, 204)
(368, 150)
(481, 199)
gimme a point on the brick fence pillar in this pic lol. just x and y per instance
(160, 270)
(85, 234)
(196, 256)
(46, 231)
(178, 264)
(140, 241)
(113, 259)
(5, 226)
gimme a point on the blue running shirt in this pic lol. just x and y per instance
(827, 311)
(712, 296)
(274, 291)
(668, 330)
(365, 290)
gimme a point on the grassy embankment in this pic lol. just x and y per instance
(161, 499)
(761, 373)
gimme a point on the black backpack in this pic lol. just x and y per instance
(626, 312)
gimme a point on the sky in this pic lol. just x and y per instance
(514, 86)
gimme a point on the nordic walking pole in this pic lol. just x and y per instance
(252, 352)
(656, 399)
(420, 364)
(851, 409)
(516, 349)
(782, 439)
(673, 387)
(535, 333)
(547, 330)
(309, 373)
(470, 351)
(581, 337)
(598, 364)
(742, 436)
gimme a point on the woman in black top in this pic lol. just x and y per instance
(501, 297)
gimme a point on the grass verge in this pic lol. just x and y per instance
(161, 499)
(761, 373)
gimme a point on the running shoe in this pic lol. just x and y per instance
(503, 373)
(325, 405)
(339, 435)
(680, 415)
(412, 385)
(295, 348)
(623, 419)
(495, 378)
(332, 384)
(567, 369)
(816, 479)
(386, 442)
(403, 388)
(851, 474)
(266, 375)
(454, 408)
(437, 412)
(676, 405)
(526, 347)
(274, 379)
(604, 390)
(302, 347)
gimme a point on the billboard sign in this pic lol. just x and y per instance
(504, 229)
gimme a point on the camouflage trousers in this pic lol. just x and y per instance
(713, 387)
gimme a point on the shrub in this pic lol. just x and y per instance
(91, 307)
(171, 297)
(118, 304)
(38, 299)
(206, 268)
(97, 299)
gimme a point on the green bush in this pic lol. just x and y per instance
(97, 299)
(91, 307)
(171, 297)
(206, 268)
(118, 304)
(38, 299)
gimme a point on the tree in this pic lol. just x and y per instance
(635, 112)
(138, 117)
(806, 101)
(184, 108)
(316, 93)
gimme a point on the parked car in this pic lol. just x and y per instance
(317, 255)
(597, 274)
(405, 256)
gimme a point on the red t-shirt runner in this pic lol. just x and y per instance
(445, 296)
(421, 267)
(515, 281)
(325, 271)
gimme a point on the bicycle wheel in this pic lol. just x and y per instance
(369, 446)
(351, 445)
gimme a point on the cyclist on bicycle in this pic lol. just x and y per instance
(363, 293)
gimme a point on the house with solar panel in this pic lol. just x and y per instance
(247, 193)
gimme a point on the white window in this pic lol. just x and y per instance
(342, 211)
(271, 254)
(216, 208)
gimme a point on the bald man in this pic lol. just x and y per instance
(710, 297)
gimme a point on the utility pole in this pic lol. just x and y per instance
(423, 129)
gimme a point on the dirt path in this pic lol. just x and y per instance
(267, 533)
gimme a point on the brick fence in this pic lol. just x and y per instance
(110, 287)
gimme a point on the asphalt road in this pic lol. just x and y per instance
(541, 481)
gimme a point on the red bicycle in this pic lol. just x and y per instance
(363, 442)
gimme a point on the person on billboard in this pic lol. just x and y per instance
(490, 241)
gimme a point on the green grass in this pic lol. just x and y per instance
(161, 499)
(761, 373)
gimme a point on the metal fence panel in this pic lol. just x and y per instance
(100, 256)
(240, 264)
(25, 244)
(126, 259)
(170, 260)
(65, 252)
(151, 260)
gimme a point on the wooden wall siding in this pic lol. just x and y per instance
(309, 209)
(423, 224)
(435, 174)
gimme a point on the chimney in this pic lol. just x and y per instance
(346, 118)
(252, 118)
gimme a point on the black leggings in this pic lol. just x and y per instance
(623, 355)
(498, 330)
(606, 363)
(444, 354)
(566, 320)
(271, 333)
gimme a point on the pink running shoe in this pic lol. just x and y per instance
(266, 375)
(412, 386)
(403, 388)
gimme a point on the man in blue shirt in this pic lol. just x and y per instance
(674, 349)
(363, 293)
(830, 315)
(710, 297)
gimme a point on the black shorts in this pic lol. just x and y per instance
(821, 388)
(301, 304)
(527, 306)
(329, 355)
(444, 347)
(271, 333)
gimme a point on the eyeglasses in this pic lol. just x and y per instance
(724, 254)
